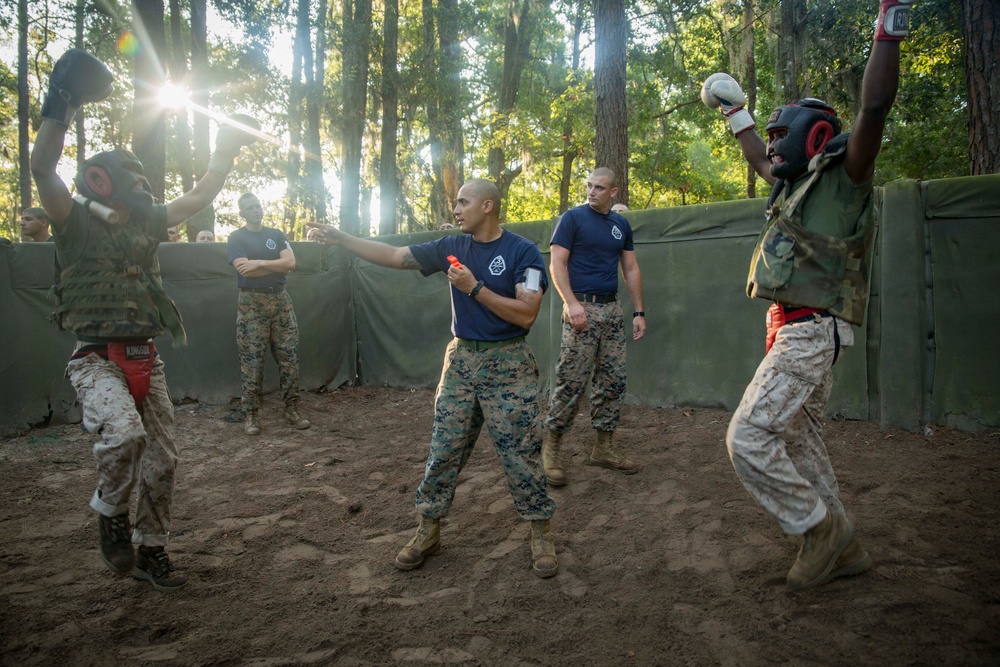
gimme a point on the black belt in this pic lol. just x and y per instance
(478, 345)
(595, 298)
(264, 290)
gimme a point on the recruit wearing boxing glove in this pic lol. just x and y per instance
(893, 20)
(77, 78)
(721, 91)
(240, 131)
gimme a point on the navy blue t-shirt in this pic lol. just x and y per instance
(265, 244)
(595, 242)
(500, 264)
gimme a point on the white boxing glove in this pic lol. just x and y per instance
(721, 91)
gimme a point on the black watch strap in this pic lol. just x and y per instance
(639, 313)
(475, 290)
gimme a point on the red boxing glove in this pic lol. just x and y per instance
(893, 20)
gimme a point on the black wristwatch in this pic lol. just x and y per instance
(475, 290)
(639, 313)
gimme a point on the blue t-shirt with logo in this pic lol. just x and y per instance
(265, 244)
(500, 264)
(595, 242)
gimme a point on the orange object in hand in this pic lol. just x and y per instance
(454, 261)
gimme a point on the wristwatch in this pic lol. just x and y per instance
(639, 313)
(475, 290)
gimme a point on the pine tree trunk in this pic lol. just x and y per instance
(148, 118)
(981, 21)
(388, 179)
(610, 109)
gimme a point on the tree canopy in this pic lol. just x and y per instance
(477, 88)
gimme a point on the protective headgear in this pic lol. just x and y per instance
(113, 175)
(809, 124)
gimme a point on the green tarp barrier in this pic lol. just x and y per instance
(925, 355)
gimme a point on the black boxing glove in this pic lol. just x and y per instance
(77, 78)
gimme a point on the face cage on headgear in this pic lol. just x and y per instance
(809, 124)
(113, 175)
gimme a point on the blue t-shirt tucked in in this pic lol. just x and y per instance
(595, 242)
(500, 264)
(265, 244)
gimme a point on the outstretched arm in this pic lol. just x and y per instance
(375, 252)
(878, 91)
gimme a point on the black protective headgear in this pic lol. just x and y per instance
(113, 175)
(809, 123)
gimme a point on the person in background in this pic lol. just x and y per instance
(619, 208)
(174, 234)
(265, 317)
(812, 261)
(588, 246)
(312, 235)
(205, 236)
(35, 224)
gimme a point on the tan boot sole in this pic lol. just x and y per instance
(406, 567)
(610, 465)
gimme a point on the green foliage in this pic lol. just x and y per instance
(680, 152)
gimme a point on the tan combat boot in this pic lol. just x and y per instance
(604, 456)
(543, 550)
(821, 546)
(550, 458)
(854, 560)
(293, 417)
(252, 425)
(425, 543)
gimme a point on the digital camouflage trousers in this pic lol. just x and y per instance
(497, 388)
(267, 321)
(595, 355)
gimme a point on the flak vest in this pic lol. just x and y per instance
(108, 286)
(796, 266)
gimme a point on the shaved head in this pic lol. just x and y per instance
(604, 172)
(480, 188)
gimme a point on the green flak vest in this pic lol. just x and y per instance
(796, 266)
(108, 285)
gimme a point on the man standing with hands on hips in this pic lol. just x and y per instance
(264, 317)
(590, 242)
(812, 261)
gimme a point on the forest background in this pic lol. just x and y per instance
(381, 110)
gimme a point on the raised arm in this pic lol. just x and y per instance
(237, 132)
(878, 90)
(721, 91)
(76, 79)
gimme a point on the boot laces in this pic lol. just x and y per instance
(119, 528)
(160, 562)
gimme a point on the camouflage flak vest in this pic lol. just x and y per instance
(795, 266)
(109, 287)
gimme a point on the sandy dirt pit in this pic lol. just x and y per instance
(289, 540)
